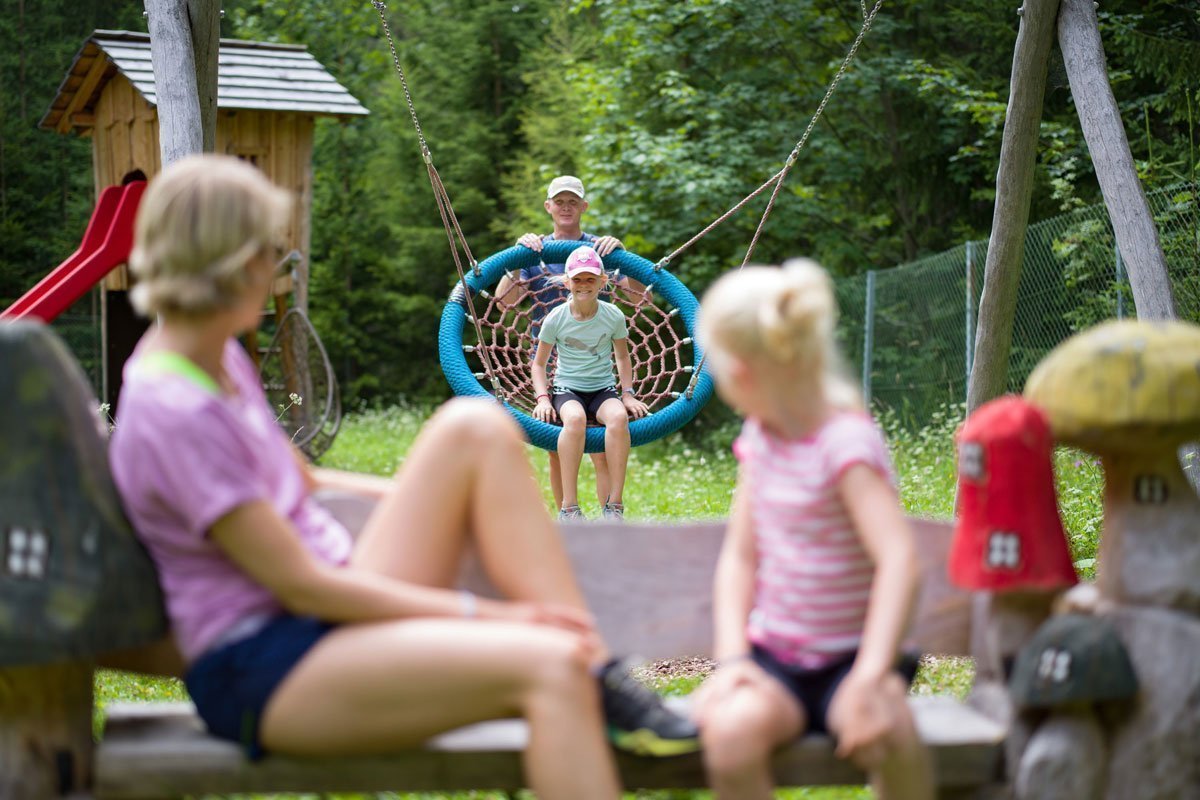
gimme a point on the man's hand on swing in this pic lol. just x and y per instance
(606, 244)
(532, 241)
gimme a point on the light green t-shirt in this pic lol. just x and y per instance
(585, 361)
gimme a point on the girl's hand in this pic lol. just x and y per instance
(722, 684)
(634, 407)
(863, 714)
(544, 411)
(605, 245)
(532, 241)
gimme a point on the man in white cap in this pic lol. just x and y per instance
(565, 203)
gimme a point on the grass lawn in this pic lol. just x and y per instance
(677, 479)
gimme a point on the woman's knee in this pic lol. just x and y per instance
(471, 421)
(559, 667)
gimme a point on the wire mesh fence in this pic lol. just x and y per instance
(909, 331)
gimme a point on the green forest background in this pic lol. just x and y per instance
(670, 111)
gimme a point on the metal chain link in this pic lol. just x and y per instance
(454, 232)
(381, 7)
(780, 176)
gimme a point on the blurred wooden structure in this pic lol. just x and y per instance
(268, 98)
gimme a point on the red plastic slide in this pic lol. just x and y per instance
(106, 245)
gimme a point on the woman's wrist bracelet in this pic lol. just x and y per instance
(469, 603)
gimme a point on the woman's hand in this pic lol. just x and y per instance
(634, 407)
(544, 410)
(532, 241)
(606, 244)
(555, 615)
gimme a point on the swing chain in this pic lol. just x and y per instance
(381, 7)
(778, 179)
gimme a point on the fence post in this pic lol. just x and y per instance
(969, 316)
(1120, 280)
(868, 337)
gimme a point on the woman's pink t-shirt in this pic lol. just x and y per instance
(183, 456)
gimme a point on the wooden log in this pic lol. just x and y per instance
(1064, 759)
(1154, 749)
(1133, 226)
(45, 730)
(160, 750)
(177, 85)
(1014, 188)
(204, 20)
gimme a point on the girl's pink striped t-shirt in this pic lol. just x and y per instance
(814, 576)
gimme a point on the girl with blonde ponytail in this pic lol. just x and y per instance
(817, 575)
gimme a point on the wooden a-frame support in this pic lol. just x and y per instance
(1137, 238)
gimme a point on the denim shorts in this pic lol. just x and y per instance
(814, 688)
(232, 683)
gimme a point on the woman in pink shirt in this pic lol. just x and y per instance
(299, 639)
(817, 574)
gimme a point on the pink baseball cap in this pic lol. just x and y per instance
(584, 259)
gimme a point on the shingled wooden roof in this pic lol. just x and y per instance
(255, 75)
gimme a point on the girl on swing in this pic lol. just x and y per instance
(588, 332)
(299, 639)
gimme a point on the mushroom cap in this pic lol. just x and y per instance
(1072, 658)
(1008, 536)
(1128, 386)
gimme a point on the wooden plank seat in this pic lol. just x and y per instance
(650, 588)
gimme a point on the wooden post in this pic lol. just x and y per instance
(1137, 237)
(45, 730)
(183, 45)
(1014, 187)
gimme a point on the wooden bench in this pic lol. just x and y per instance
(650, 588)
(74, 584)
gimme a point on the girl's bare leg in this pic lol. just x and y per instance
(570, 450)
(376, 688)
(906, 771)
(598, 462)
(739, 735)
(615, 418)
(467, 480)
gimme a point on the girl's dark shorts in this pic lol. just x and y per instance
(814, 688)
(232, 684)
(591, 401)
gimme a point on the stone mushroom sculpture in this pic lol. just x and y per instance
(1130, 393)
(1074, 667)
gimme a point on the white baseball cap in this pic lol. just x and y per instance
(565, 183)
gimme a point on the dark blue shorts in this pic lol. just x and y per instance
(814, 688)
(591, 401)
(232, 684)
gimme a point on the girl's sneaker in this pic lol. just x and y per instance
(614, 511)
(571, 513)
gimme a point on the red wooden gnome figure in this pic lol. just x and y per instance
(1009, 536)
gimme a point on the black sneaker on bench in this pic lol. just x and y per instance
(638, 722)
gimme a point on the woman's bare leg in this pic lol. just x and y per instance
(380, 687)
(466, 479)
(570, 450)
(615, 419)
